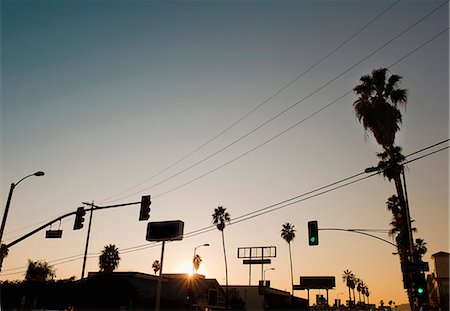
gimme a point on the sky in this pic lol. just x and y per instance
(200, 104)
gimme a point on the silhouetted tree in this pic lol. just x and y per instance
(377, 109)
(197, 260)
(219, 218)
(39, 271)
(349, 279)
(288, 234)
(109, 259)
(420, 249)
(156, 266)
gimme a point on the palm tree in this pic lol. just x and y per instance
(288, 234)
(349, 279)
(197, 260)
(420, 249)
(367, 295)
(109, 259)
(377, 109)
(359, 284)
(219, 218)
(156, 266)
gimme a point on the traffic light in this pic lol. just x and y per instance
(313, 233)
(79, 218)
(145, 208)
(420, 289)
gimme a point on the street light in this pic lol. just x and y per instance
(195, 249)
(264, 273)
(8, 202)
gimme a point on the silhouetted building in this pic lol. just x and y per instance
(178, 292)
(438, 281)
(244, 297)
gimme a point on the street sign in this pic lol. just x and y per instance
(411, 267)
(53, 234)
(256, 261)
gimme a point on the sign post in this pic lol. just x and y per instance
(256, 256)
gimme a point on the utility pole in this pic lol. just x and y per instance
(87, 240)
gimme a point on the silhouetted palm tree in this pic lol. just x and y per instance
(109, 259)
(349, 279)
(377, 109)
(197, 260)
(219, 218)
(420, 249)
(359, 284)
(156, 266)
(288, 234)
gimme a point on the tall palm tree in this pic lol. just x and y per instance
(288, 234)
(109, 259)
(377, 108)
(359, 284)
(349, 279)
(197, 260)
(219, 218)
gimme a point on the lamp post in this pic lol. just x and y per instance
(195, 249)
(8, 202)
(264, 273)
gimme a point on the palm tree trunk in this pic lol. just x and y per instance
(226, 271)
(349, 296)
(292, 272)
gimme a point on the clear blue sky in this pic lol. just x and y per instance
(103, 95)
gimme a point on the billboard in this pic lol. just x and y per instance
(165, 231)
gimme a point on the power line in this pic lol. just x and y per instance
(289, 108)
(265, 210)
(261, 104)
(280, 133)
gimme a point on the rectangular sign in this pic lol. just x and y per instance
(256, 261)
(411, 267)
(318, 282)
(53, 234)
(165, 231)
(257, 252)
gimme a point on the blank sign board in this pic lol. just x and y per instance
(165, 231)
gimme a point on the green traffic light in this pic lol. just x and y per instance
(420, 290)
(312, 239)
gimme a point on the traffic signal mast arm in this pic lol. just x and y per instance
(359, 232)
(93, 207)
(39, 229)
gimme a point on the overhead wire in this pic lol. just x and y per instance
(290, 107)
(261, 104)
(281, 133)
(401, 59)
(265, 210)
(301, 121)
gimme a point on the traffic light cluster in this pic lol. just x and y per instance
(79, 218)
(313, 233)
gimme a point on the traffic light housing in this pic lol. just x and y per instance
(420, 288)
(79, 218)
(313, 233)
(144, 213)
